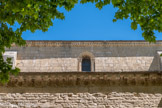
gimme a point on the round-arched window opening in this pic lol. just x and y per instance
(86, 64)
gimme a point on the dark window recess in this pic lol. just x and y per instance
(86, 64)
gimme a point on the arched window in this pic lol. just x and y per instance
(86, 64)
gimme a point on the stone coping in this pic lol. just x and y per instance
(96, 43)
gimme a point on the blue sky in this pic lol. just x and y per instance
(85, 22)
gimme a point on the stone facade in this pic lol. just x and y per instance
(106, 56)
(124, 74)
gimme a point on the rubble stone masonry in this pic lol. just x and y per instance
(80, 100)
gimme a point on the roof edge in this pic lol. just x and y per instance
(89, 43)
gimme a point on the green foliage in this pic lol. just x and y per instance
(134, 25)
(30, 15)
(160, 54)
(145, 13)
(38, 15)
(8, 37)
(6, 69)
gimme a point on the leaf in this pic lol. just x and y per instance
(29, 5)
(114, 20)
(22, 9)
(134, 25)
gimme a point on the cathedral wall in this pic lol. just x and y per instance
(51, 75)
(44, 56)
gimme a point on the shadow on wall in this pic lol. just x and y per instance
(160, 104)
(155, 65)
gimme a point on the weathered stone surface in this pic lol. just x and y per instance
(80, 100)
(63, 79)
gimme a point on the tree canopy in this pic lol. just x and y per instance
(146, 13)
(30, 15)
(38, 15)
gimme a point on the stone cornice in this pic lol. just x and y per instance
(46, 79)
(89, 43)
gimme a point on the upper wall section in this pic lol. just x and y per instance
(102, 56)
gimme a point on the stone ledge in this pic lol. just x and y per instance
(90, 79)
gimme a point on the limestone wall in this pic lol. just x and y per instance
(48, 65)
(117, 64)
(62, 56)
(80, 100)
